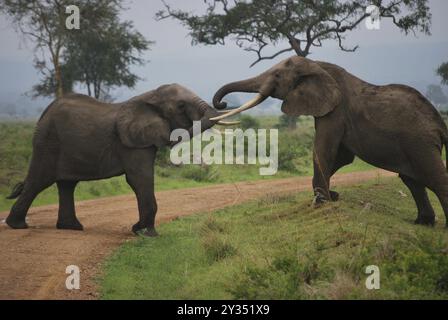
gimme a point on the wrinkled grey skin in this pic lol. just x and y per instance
(392, 127)
(79, 138)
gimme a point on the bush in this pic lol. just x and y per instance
(248, 122)
(419, 269)
(200, 173)
(286, 277)
(287, 122)
(294, 152)
(163, 157)
(216, 247)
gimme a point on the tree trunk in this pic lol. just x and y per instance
(89, 91)
(58, 78)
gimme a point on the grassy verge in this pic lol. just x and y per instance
(281, 248)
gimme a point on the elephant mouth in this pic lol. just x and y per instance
(248, 105)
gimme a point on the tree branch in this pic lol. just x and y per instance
(270, 57)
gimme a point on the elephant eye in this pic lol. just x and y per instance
(181, 106)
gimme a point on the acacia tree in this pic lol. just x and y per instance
(99, 56)
(102, 61)
(62, 55)
(43, 22)
(257, 25)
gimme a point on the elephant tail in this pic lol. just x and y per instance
(17, 191)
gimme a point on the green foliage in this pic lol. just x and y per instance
(103, 59)
(281, 248)
(43, 22)
(424, 268)
(285, 277)
(287, 122)
(248, 122)
(442, 71)
(255, 25)
(215, 245)
(200, 173)
(98, 55)
(163, 157)
(295, 155)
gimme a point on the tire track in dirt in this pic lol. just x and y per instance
(33, 261)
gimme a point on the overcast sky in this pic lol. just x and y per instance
(384, 56)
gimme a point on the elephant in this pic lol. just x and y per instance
(393, 127)
(79, 138)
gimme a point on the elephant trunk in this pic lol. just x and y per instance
(207, 113)
(251, 85)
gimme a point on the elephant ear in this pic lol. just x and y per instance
(316, 93)
(141, 125)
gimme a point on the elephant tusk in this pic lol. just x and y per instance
(248, 105)
(228, 123)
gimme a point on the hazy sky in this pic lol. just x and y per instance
(384, 56)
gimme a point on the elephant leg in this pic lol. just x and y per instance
(430, 171)
(344, 157)
(426, 215)
(139, 167)
(442, 194)
(440, 188)
(326, 147)
(17, 216)
(39, 178)
(67, 214)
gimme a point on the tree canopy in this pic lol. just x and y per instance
(257, 25)
(98, 55)
(442, 71)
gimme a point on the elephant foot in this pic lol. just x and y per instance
(145, 231)
(334, 196)
(319, 201)
(319, 198)
(75, 225)
(16, 223)
(428, 220)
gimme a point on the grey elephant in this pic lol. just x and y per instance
(393, 127)
(79, 138)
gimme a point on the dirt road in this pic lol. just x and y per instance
(33, 261)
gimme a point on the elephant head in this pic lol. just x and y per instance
(303, 85)
(148, 120)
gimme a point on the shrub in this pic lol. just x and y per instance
(93, 190)
(419, 269)
(286, 277)
(294, 151)
(248, 122)
(287, 122)
(217, 248)
(163, 157)
(200, 173)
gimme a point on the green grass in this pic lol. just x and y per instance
(281, 248)
(294, 159)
